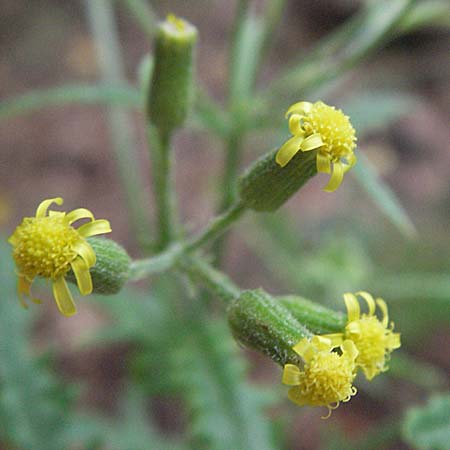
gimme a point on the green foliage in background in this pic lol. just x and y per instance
(181, 351)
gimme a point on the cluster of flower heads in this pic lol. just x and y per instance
(328, 131)
(48, 246)
(331, 361)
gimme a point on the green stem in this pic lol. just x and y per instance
(215, 281)
(161, 156)
(102, 22)
(140, 269)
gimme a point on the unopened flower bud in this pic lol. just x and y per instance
(260, 322)
(112, 267)
(171, 85)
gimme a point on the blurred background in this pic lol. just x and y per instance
(75, 384)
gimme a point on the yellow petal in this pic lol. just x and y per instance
(79, 213)
(295, 395)
(394, 341)
(23, 287)
(83, 249)
(336, 339)
(336, 177)
(299, 108)
(351, 161)
(384, 310)
(369, 300)
(302, 347)
(93, 228)
(291, 375)
(311, 142)
(349, 349)
(323, 162)
(295, 126)
(352, 305)
(83, 276)
(63, 297)
(43, 206)
(288, 150)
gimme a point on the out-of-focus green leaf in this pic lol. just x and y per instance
(133, 430)
(343, 49)
(383, 196)
(70, 94)
(426, 13)
(406, 367)
(428, 427)
(32, 401)
(225, 411)
(244, 58)
(143, 13)
(371, 110)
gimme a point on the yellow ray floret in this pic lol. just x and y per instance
(327, 374)
(317, 126)
(48, 246)
(374, 338)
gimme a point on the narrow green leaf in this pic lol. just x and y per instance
(225, 411)
(343, 49)
(383, 196)
(70, 94)
(372, 110)
(426, 13)
(245, 58)
(428, 427)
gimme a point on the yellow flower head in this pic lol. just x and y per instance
(327, 375)
(373, 338)
(48, 246)
(317, 126)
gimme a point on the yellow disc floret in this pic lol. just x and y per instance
(317, 126)
(49, 246)
(327, 375)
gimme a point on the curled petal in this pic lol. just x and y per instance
(291, 375)
(311, 142)
(323, 162)
(382, 305)
(370, 302)
(63, 297)
(351, 161)
(349, 349)
(302, 347)
(336, 339)
(93, 228)
(295, 126)
(41, 210)
(352, 305)
(393, 341)
(83, 249)
(299, 108)
(295, 395)
(288, 150)
(82, 275)
(336, 177)
(77, 214)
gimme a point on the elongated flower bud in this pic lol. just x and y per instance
(258, 321)
(317, 318)
(171, 86)
(112, 268)
(265, 186)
